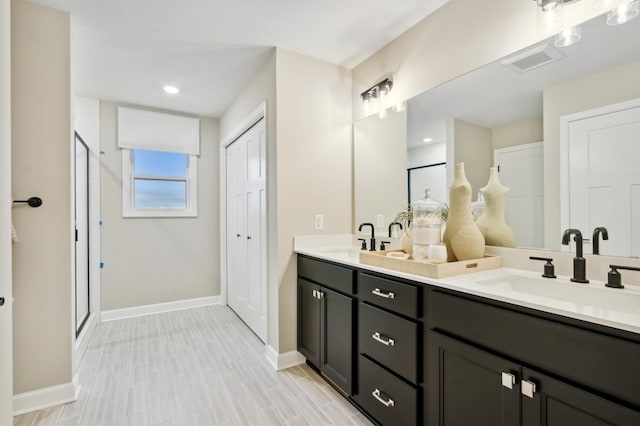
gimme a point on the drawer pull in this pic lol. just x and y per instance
(387, 295)
(378, 337)
(528, 388)
(377, 395)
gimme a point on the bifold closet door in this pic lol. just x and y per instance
(246, 228)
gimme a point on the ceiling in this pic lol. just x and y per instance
(495, 95)
(125, 50)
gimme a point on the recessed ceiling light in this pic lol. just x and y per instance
(427, 140)
(171, 89)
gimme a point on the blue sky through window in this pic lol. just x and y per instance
(157, 163)
(160, 194)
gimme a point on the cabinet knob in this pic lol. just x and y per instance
(378, 395)
(387, 342)
(508, 380)
(528, 388)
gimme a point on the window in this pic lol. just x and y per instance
(158, 184)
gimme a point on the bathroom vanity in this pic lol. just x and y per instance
(488, 348)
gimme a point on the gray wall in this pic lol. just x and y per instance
(156, 260)
(41, 165)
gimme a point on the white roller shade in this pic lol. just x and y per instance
(138, 129)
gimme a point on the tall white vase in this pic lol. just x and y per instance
(492, 223)
(462, 237)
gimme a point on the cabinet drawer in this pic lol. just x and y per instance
(389, 294)
(385, 397)
(592, 359)
(327, 274)
(390, 340)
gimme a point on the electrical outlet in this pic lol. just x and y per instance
(380, 221)
(319, 222)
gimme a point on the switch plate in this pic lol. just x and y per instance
(319, 222)
(380, 221)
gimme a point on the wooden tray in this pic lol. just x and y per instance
(429, 269)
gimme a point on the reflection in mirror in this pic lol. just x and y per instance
(509, 114)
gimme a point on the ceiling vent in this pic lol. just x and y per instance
(533, 58)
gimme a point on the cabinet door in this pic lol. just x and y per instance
(309, 321)
(465, 385)
(336, 337)
(557, 403)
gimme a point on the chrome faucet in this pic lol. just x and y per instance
(579, 263)
(372, 246)
(601, 230)
(392, 224)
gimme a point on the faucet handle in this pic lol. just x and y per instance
(614, 278)
(382, 245)
(363, 246)
(549, 269)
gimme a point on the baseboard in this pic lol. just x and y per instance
(158, 308)
(84, 338)
(45, 397)
(285, 360)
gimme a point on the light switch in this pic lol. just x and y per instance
(319, 222)
(380, 221)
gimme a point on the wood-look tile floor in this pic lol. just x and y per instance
(194, 367)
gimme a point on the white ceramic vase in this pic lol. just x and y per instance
(462, 237)
(491, 223)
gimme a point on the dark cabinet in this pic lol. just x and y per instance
(309, 321)
(325, 321)
(466, 385)
(487, 380)
(553, 402)
(472, 386)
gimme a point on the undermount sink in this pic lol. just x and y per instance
(587, 296)
(342, 252)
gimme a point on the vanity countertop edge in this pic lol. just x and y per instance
(347, 255)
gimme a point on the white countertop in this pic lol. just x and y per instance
(593, 302)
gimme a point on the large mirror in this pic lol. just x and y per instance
(539, 114)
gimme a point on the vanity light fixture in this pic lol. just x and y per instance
(377, 91)
(623, 13)
(549, 16)
(172, 90)
(568, 36)
(606, 4)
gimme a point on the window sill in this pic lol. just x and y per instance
(159, 213)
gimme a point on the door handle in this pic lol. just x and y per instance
(528, 388)
(508, 380)
(1, 301)
(378, 337)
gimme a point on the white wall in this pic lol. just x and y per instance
(261, 88)
(6, 311)
(380, 174)
(428, 154)
(314, 165)
(157, 260)
(457, 38)
(308, 117)
(519, 133)
(472, 146)
(600, 89)
(41, 165)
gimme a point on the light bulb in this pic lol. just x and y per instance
(549, 17)
(172, 90)
(623, 13)
(568, 36)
